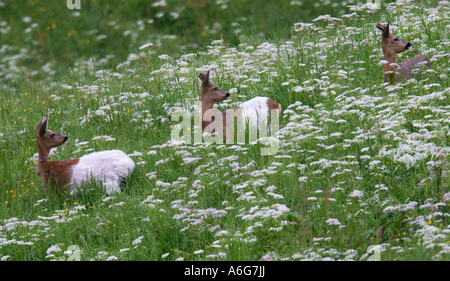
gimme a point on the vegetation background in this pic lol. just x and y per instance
(362, 167)
(48, 39)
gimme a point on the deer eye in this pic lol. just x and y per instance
(215, 89)
(53, 135)
(396, 39)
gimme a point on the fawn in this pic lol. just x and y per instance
(108, 167)
(255, 111)
(393, 45)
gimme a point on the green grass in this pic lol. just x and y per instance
(355, 154)
(44, 40)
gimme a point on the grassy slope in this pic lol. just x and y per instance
(43, 40)
(354, 155)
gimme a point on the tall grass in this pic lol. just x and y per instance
(43, 40)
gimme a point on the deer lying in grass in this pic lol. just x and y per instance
(255, 111)
(392, 46)
(107, 167)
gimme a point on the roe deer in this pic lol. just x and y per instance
(255, 111)
(108, 167)
(393, 45)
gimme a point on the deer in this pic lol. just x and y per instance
(255, 111)
(391, 46)
(109, 168)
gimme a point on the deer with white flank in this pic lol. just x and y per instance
(254, 111)
(109, 167)
(392, 46)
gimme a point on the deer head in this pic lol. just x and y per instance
(391, 44)
(47, 139)
(209, 92)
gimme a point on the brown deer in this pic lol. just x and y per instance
(392, 46)
(210, 94)
(254, 111)
(107, 167)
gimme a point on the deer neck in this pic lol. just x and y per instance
(42, 153)
(206, 105)
(391, 58)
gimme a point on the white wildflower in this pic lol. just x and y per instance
(302, 179)
(138, 240)
(333, 221)
(161, 3)
(356, 193)
(112, 258)
(163, 57)
(52, 249)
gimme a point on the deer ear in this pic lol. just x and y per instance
(43, 126)
(386, 32)
(204, 78)
(380, 26)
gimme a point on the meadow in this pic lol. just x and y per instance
(361, 172)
